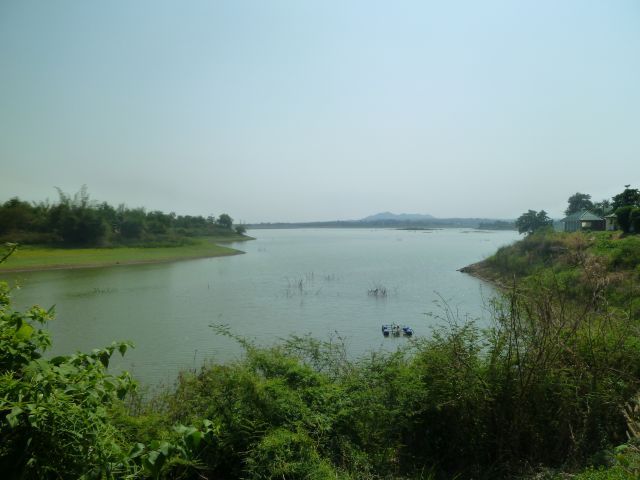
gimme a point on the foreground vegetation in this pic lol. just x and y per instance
(552, 385)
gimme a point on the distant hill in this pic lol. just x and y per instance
(392, 220)
(402, 217)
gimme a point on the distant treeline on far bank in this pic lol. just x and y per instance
(430, 223)
(79, 221)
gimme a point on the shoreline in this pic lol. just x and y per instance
(35, 259)
(480, 271)
(124, 263)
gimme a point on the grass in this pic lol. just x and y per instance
(623, 464)
(560, 251)
(46, 257)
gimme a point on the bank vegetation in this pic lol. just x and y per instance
(77, 232)
(78, 221)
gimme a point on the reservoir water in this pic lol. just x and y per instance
(294, 281)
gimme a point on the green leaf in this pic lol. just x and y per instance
(623, 460)
(12, 418)
(151, 459)
(165, 448)
(137, 450)
(195, 438)
(104, 359)
(58, 360)
(33, 421)
(24, 332)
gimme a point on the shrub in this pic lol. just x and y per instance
(286, 454)
(626, 255)
(634, 220)
(623, 215)
(53, 413)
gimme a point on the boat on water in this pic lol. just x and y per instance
(396, 330)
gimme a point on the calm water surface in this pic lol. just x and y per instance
(289, 281)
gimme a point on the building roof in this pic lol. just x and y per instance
(583, 216)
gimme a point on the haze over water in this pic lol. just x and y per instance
(288, 282)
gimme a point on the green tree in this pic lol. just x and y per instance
(623, 215)
(634, 219)
(225, 221)
(630, 197)
(77, 219)
(78, 226)
(157, 222)
(602, 207)
(577, 202)
(133, 223)
(531, 221)
(15, 215)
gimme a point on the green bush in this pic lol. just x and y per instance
(626, 255)
(623, 215)
(54, 417)
(286, 454)
(622, 463)
(634, 220)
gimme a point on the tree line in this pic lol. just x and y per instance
(625, 206)
(77, 220)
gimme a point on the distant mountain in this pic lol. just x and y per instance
(402, 217)
(402, 220)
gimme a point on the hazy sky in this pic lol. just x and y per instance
(320, 110)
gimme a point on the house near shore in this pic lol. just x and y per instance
(611, 222)
(583, 220)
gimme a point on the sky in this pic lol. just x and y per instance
(320, 110)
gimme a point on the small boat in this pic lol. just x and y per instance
(396, 330)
